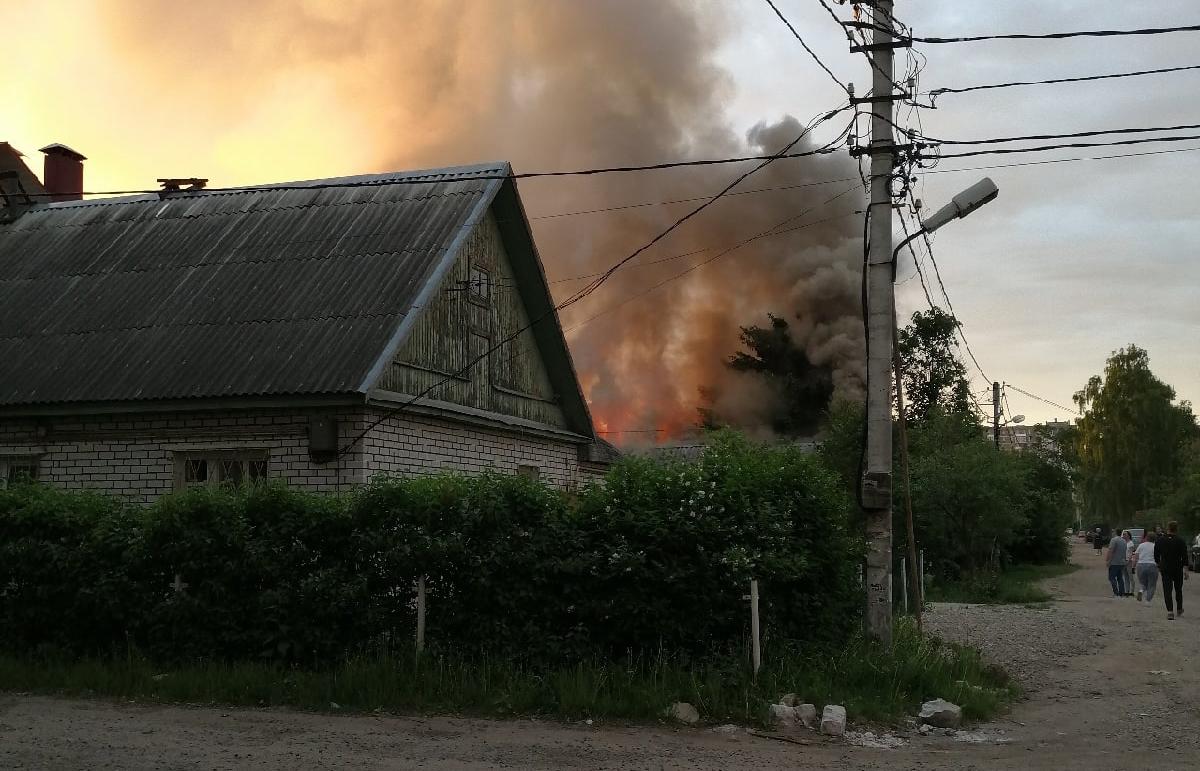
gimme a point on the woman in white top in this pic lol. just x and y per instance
(1147, 571)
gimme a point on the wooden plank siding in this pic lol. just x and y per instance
(461, 323)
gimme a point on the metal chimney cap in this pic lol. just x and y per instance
(61, 149)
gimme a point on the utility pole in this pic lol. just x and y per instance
(877, 480)
(996, 414)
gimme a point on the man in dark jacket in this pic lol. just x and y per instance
(1170, 554)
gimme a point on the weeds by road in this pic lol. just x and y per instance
(1018, 585)
(872, 683)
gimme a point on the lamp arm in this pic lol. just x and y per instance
(904, 243)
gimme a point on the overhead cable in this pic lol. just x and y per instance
(595, 284)
(1060, 35)
(1042, 399)
(770, 232)
(777, 229)
(1069, 145)
(811, 53)
(623, 207)
(436, 179)
(949, 306)
(1013, 84)
(1061, 160)
(1077, 134)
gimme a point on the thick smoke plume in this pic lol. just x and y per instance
(549, 84)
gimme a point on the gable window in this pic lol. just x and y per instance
(200, 469)
(18, 469)
(480, 282)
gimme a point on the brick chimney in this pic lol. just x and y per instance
(63, 175)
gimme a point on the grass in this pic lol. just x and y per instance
(1018, 585)
(874, 684)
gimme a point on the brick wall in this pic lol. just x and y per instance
(410, 444)
(136, 454)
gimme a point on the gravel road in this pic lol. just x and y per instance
(1091, 666)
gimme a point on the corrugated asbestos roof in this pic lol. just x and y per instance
(294, 289)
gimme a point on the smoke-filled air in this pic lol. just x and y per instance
(356, 87)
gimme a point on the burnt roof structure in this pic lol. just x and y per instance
(304, 288)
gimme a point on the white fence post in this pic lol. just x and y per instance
(420, 615)
(921, 566)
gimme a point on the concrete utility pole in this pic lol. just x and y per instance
(877, 481)
(996, 414)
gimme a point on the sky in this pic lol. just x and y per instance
(1070, 263)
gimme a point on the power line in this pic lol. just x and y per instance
(1041, 399)
(436, 179)
(1059, 35)
(850, 37)
(1016, 83)
(949, 306)
(811, 53)
(1032, 137)
(1060, 160)
(764, 234)
(595, 284)
(917, 263)
(1067, 146)
(623, 207)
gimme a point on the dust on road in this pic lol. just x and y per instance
(1086, 663)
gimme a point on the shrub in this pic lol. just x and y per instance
(67, 570)
(658, 558)
(670, 549)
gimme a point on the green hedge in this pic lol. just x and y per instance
(658, 558)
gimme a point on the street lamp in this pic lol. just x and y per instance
(982, 192)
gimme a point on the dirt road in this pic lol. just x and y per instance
(1089, 665)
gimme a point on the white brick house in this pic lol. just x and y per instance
(319, 332)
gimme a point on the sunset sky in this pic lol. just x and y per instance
(1072, 261)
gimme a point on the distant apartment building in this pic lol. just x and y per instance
(1019, 438)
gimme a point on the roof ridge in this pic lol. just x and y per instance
(46, 208)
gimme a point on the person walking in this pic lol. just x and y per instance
(1097, 541)
(1170, 554)
(1129, 574)
(1147, 571)
(1115, 559)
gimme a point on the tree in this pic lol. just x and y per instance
(1132, 440)
(1183, 504)
(935, 380)
(803, 388)
(970, 502)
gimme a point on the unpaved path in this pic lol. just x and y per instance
(1086, 664)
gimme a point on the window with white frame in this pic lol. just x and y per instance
(220, 467)
(18, 468)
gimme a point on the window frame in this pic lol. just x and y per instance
(480, 291)
(213, 461)
(7, 462)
